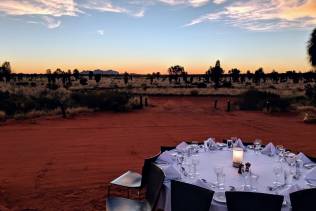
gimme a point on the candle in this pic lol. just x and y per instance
(238, 155)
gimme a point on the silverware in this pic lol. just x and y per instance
(212, 185)
(278, 187)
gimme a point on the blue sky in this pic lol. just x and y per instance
(151, 35)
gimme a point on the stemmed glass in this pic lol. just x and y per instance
(277, 170)
(195, 161)
(281, 151)
(257, 145)
(254, 182)
(219, 171)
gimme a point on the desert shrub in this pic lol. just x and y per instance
(83, 81)
(102, 100)
(78, 110)
(144, 86)
(23, 101)
(2, 116)
(310, 92)
(194, 92)
(34, 114)
(201, 85)
(256, 100)
(227, 84)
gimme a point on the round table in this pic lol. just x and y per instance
(261, 165)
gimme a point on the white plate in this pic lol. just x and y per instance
(220, 197)
(310, 165)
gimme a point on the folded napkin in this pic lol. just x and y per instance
(239, 143)
(209, 143)
(171, 173)
(269, 149)
(181, 146)
(303, 158)
(311, 175)
(202, 183)
(165, 157)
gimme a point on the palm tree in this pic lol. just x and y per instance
(312, 48)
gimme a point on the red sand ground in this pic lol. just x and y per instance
(62, 164)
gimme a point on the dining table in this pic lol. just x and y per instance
(204, 174)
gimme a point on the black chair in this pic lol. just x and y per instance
(187, 197)
(303, 200)
(250, 201)
(155, 181)
(166, 148)
(133, 180)
(312, 158)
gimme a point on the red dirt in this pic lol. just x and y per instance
(62, 164)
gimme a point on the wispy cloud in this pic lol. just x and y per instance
(103, 6)
(100, 32)
(39, 7)
(47, 10)
(219, 1)
(50, 22)
(264, 15)
(193, 3)
(108, 6)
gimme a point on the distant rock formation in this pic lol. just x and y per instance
(100, 72)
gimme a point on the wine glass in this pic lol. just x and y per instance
(229, 143)
(218, 171)
(195, 162)
(257, 145)
(277, 170)
(254, 182)
(281, 151)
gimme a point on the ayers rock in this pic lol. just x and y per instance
(101, 72)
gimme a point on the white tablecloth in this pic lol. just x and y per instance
(261, 165)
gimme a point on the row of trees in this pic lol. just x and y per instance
(5, 71)
(177, 72)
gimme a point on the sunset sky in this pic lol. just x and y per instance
(145, 36)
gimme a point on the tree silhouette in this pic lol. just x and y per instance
(216, 73)
(6, 70)
(76, 74)
(312, 48)
(259, 74)
(90, 75)
(97, 78)
(126, 76)
(175, 72)
(274, 76)
(235, 74)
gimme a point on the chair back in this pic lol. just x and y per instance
(166, 148)
(146, 169)
(312, 158)
(187, 197)
(250, 201)
(155, 182)
(303, 200)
